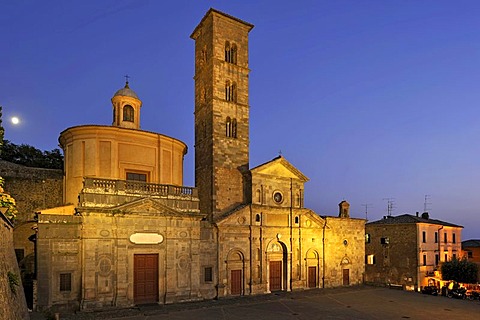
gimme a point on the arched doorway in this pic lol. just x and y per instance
(277, 266)
(313, 267)
(235, 272)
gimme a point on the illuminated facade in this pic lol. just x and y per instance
(137, 235)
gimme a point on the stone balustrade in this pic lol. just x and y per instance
(108, 192)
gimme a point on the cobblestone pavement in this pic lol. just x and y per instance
(341, 303)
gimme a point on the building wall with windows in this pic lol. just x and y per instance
(406, 250)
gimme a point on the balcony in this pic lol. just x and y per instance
(109, 193)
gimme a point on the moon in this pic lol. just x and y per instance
(15, 120)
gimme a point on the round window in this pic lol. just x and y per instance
(277, 197)
(345, 242)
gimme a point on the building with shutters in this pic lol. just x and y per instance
(131, 233)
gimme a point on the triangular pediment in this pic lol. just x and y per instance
(279, 167)
(316, 220)
(145, 206)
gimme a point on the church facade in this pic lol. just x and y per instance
(131, 233)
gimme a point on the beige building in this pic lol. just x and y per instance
(131, 233)
(408, 250)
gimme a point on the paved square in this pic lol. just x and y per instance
(341, 303)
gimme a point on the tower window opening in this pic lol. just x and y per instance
(233, 91)
(231, 128)
(230, 91)
(228, 127)
(257, 218)
(230, 53)
(128, 113)
(233, 54)
(227, 91)
(227, 52)
(234, 128)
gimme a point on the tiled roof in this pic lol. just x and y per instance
(408, 218)
(471, 243)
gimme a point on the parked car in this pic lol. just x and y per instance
(433, 290)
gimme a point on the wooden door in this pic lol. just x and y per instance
(275, 275)
(145, 279)
(312, 277)
(346, 277)
(236, 282)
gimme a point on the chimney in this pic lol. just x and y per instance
(425, 215)
(417, 214)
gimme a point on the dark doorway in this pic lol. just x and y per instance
(312, 277)
(275, 275)
(346, 277)
(236, 282)
(145, 278)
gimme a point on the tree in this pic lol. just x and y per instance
(29, 156)
(460, 271)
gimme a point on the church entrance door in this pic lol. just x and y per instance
(275, 275)
(346, 277)
(236, 278)
(145, 278)
(312, 277)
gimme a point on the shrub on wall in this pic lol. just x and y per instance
(7, 201)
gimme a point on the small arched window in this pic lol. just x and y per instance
(258, 196)
(227, 52)
(233, 54)
(228, 127)
(128, 113)
(233, 92)
(234, 128)
(257, 218)
(228, 93)
(296, 220)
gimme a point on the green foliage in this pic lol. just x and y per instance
(462, 271)
(13, 281)
(7, 201)
(29, 156)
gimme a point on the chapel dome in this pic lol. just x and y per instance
(126, 92)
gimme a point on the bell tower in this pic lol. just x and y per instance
(221, 113)
(126, 108)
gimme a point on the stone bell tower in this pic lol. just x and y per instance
(126, 108)
(221, 112)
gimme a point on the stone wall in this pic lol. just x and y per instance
(394, 262)
(33, 188)
(12, 305)
(344, 251)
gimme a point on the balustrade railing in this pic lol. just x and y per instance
(138, 187)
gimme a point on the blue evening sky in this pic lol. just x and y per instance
(369, 99)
